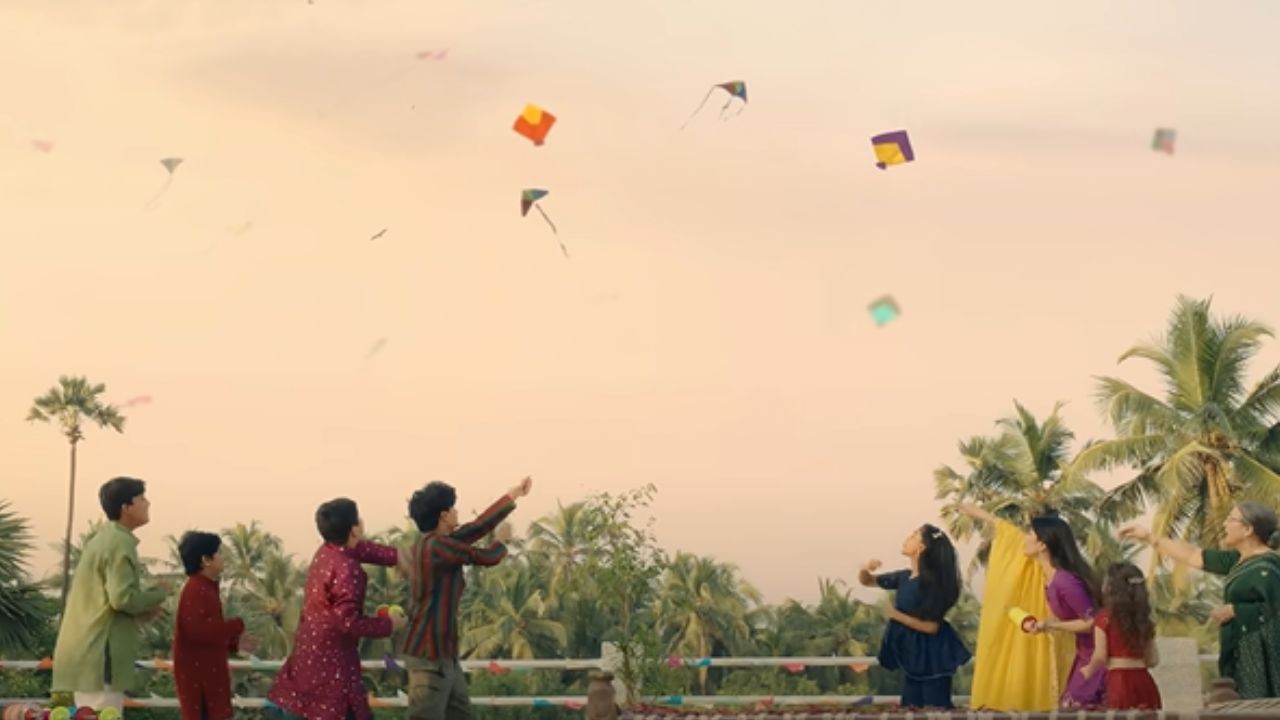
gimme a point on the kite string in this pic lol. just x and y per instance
(544, 217)
(705, 98)
(156, 198)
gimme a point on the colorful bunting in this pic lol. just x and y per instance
(497, 669)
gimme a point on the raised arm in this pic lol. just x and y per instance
(496, 513)
(1185, 553)
(372, 553)
(867, 574)
(448, 551)
(977, 513)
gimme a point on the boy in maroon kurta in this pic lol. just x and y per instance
(202, 638)
(321, 680)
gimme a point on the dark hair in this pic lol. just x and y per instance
(939, 574)
(426, 504)
(194, 547)
(118, 492)
(1130, 605)
(336, 519)
(1262, 520)
(1064, 554)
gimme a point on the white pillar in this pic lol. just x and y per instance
(1178, 675)
(611, 660)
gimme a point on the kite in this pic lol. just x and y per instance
(138, 400)
(884, 310)
(375, 348)
(170, 164)
(1164, 139)
(42, 145)
(534, 123)
(529, 199)
(379, 234)
(892, 148)
(433, 55)
(736, 89)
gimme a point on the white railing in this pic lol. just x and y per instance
(791, 664)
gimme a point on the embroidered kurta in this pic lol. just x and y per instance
(100, 622)
(1249, 645)
(1014, 670)
(321, 679)
(202, 639)
(438, 581)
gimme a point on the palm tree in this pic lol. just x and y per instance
(73, 551)
(21, 617)
(247, 548)
(1208, 442)
(844, 624)
(510, 617)
(1020, 473)
(561, 540)
(72, 402)
(271, 603)
(703, 607)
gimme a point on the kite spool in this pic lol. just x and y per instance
(1023, 619)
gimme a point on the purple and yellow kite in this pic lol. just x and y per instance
(736, 89)
(892, 148)
(529, 199)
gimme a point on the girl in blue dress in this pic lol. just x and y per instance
(918, 640)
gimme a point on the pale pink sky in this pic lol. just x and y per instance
(710, 333)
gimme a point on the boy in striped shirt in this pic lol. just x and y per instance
(437, 686)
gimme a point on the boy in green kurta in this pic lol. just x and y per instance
(98, 639)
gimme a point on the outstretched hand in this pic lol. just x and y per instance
(872, 566)
(521, 489)
(1135, 532)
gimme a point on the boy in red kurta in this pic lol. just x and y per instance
(321, 680)
(202, 638)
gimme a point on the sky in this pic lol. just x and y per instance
(709, 333)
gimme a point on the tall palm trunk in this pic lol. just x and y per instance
(66, 543)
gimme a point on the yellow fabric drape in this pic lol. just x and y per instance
(1014, 670)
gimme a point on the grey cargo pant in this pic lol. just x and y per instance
(437, 690)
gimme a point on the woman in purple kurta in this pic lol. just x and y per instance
(1069, 600)
(1073, 596)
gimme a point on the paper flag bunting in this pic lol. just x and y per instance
(766, 702)
(574, 704)
(859, 667)
(865, 700)
(160, 664)
(702, 662)
(390, 662)
(497, 669)
(892, 148)
(672, 700)
(1163, 140)
(45, 664)
(884, 310)
(534, 123)
(675, 661)
(794, 667)
(541, 703)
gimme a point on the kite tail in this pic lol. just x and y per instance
(695, 112)
(544, 217)
(156, 198)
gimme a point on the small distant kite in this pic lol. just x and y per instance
(376, 348)
(137, 400)
(529, 199)
(379, 234)
(433, 55)
(1163, 140)
(534, 123)
(736, 89)
(892, 148)
(884, 310)
(243, 228)
(42, 145)
(170, 165)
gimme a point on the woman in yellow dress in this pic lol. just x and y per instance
(1015, 670)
